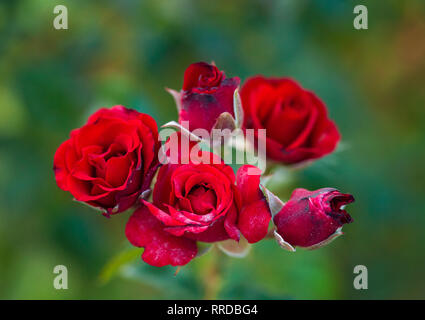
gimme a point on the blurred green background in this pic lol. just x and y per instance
(126, 52)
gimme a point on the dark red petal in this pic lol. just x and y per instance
(300, 193)
(162, 216)
(336, 200)
(202, 200)
(185, 218)
(305, 131)
(258, 95)
(325, 139)
(201, 110)
(148, 140)
(115, 112)
(124, 202)
(196, 71)
(118, 170)
(230, 223)
(185, 230)
(215, 232)
(248, 181)
(107, 202)
(104, 133)
(254, 221)
(81, 190)
(163, 189)
(161, 248)
(59, 165)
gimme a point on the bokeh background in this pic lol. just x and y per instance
(126, 52)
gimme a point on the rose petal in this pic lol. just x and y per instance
(194, 74)
(59, 165)
(254, 221)
(230, 223)
(117, 170)
(201, 110)
(161, 248)
(162, 216)
(248, 181)
(215, 232)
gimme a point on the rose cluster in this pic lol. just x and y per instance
(113, 163)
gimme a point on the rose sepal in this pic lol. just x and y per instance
(183, 130)
(226, 121)
(177, 98)
(275, 204)
(282, 243)
(235, 249)
(203, 249)
(325, 242)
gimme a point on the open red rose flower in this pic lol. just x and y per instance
(111, 160)
(191, 202)
(205, 95)
(296, 121)
(312, 218)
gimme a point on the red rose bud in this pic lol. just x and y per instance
(312, 218)
(296, 120)
(111, 160)
(205, 95)
(191, 202)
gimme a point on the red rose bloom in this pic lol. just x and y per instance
(191, 202)
(109, 161)
(311, 217)
(206, 94)
(296, 120)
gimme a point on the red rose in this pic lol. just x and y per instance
(206, 94)
(109, 161)
(191, 202)
(296, 120)
(310, 218)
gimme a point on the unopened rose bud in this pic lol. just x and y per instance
(206, 94)
(312, 218)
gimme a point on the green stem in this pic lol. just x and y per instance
(212, 276)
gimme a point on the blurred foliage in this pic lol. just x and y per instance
(126, 52)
